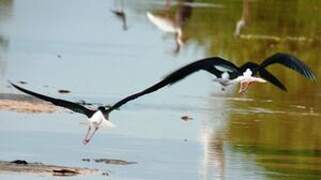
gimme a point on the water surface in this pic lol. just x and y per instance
(82, 46)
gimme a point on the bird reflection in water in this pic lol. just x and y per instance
(213, 163)
(120, 13)
(213, 130)
(168, 23)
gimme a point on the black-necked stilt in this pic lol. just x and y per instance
(97, 118)
(250, 70)
(227, 73)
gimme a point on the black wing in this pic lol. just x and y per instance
(272, 79)
(58, 102)
(210, 65)
(291, 62)
(207, 64)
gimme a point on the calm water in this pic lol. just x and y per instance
(84, 47)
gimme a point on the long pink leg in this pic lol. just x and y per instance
(241, 87)
(244, 87)
(85, 140)
(247, 85)
(92, 135)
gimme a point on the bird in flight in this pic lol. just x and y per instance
(96, 118)
(227, 73)
(247, 73)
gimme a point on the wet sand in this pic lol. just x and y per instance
(40, 169)
(24, 103)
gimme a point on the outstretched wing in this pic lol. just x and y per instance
(272, 79)
(58, 102)
(291, 62)
(209, 64)
(213, 65)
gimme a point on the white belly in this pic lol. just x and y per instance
(98, 120)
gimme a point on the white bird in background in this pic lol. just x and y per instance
(167, 25)
(173, 25)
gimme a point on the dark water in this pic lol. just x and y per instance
(84, 47)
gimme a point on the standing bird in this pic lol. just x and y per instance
(227, 73)
(96, 118)
(173, 25)
(120, 13)
(122, 16)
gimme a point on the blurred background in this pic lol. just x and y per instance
(102, 51)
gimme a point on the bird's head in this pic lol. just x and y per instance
(101, 108)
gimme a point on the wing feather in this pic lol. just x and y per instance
(179, 74)
(58, 102)
(272, 79)
(291, 62)
(211, 65)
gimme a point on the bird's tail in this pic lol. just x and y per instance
(107, 124)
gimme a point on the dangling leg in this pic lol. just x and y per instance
(251, 82)
(92, 134)
(244, 86)
(241, 87)
(85, 140)
(247, 85)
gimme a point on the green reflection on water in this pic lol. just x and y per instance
(289, 142)
(278, 131)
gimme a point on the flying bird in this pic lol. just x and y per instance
(227, 73)
(252, 69)
(97, 118)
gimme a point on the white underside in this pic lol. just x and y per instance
(245, 78)
(162, 23)
(240, 79)
(224, 80)
(99, 121)
(249, 79)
